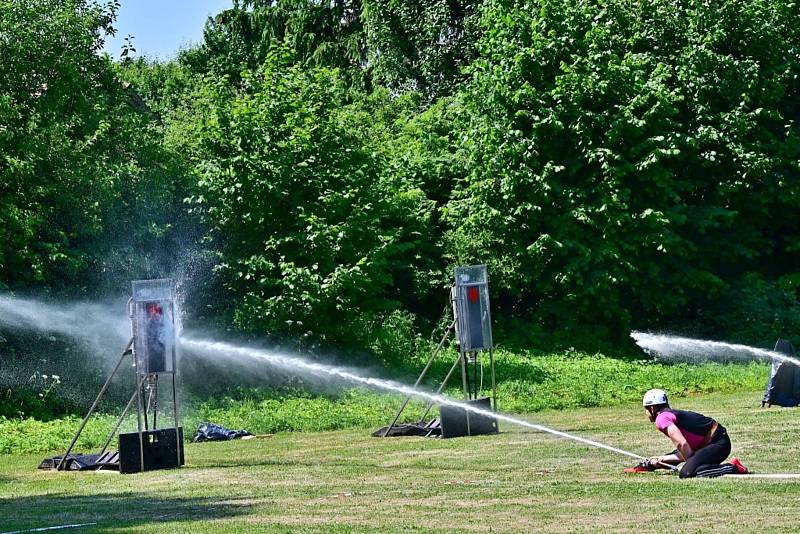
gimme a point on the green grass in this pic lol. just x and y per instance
(530, 382)
(346, 481)
(527, 382)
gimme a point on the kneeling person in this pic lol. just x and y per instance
(700, 442)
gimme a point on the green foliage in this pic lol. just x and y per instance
(309, 230)
(616, 165)
(420, 45)
(757, 311)
(626, 166)
(303, 413)
(84, 181)
(527, 382)
(49, 72)
(48, 376)
(395, 339)
(570, 379)
(38, 398)
(319, 34)
(163, 87)
(32, 435)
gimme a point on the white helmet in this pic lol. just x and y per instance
(654, 397)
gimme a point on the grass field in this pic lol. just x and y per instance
(347, 481)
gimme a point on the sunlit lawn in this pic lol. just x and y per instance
(348, 481)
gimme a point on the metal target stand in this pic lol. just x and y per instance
(469, 296)
(153, 349)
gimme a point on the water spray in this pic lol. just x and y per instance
(99, 326)
(294, 363)
(684, 347)
(33, 315)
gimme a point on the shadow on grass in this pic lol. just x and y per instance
(110, 510)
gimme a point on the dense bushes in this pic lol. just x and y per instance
(632, 166)
(308, 228)
(88, 195)
(615, 167)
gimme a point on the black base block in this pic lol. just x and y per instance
(162, 450)
(454, 420)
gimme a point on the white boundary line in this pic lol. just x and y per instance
(42, 529)
(765, 475)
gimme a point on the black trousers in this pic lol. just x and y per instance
(707, 461)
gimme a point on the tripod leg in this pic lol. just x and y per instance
(475, 374)
(154, 404)
(421, 375)
(139, 410)
(429, 405)
(494, 384)
(178, 451)
(464, 379)
(146, 405)
(464, 374)
(469, 380)
(119, 422)
(94, 405)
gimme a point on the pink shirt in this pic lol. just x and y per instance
(665, 419)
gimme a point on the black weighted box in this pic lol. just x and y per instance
(454, 420)
(161, 450)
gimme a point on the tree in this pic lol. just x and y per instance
(417, 46)
(86, 188)
(318, 33)
(630, 166)
(310, 232)
(420, 45)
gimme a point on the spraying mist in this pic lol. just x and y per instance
(78, 342)
(101, 326)
(674, 348)
(293, 363)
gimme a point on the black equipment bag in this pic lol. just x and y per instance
(214, 432)
(783, 387)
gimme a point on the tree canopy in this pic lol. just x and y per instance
(616, 164)
(86, 190)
